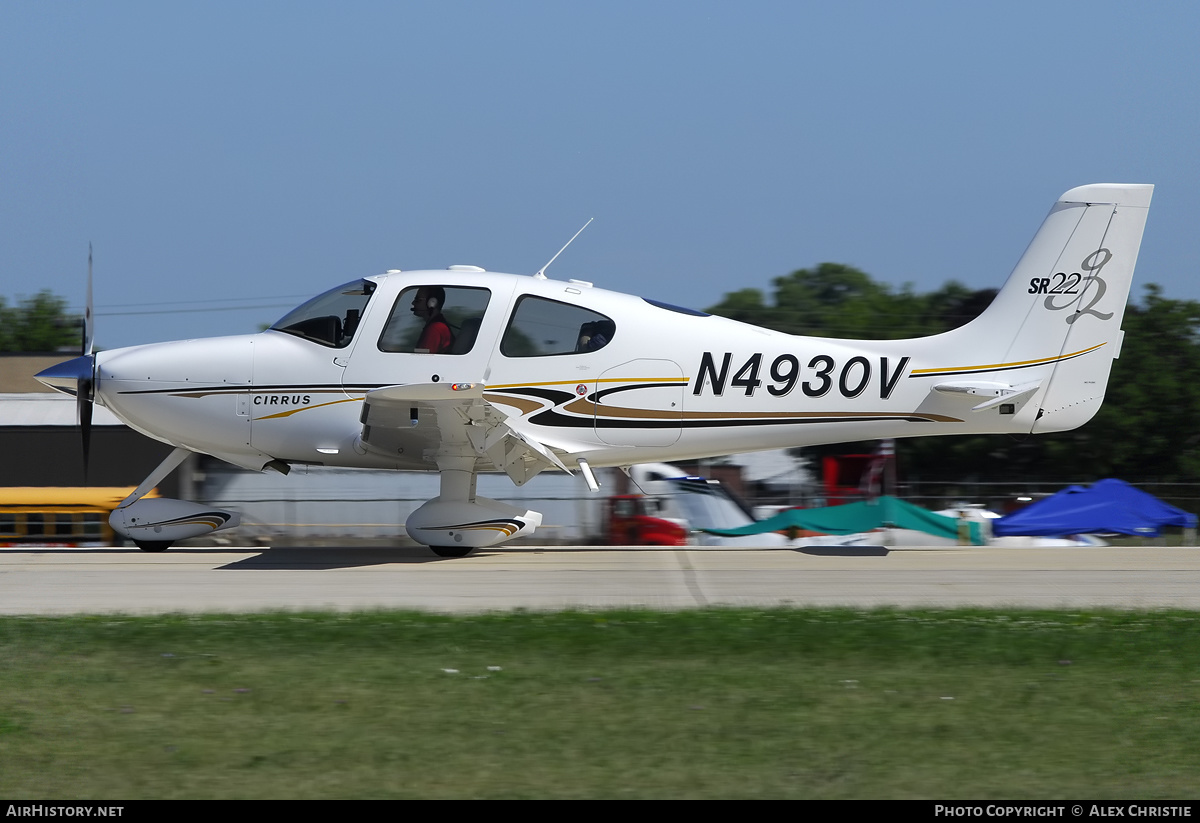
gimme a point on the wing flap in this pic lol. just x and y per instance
(466, 424)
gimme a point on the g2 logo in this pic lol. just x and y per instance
(1076, 287)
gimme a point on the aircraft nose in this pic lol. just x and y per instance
(65, 376)
(213, 360)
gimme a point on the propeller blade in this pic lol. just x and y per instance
(89, 328)
(86, 387)
(78, 376)
(83, 403)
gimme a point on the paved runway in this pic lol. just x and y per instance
(57, 581)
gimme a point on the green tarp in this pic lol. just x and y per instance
(883, 512)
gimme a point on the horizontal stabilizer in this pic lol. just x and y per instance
(996, 393)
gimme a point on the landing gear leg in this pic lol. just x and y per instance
(458, 520)
(164, 468)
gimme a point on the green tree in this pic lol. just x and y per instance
(832, 300)
(1146, 428)
(38, 324)
(954, 305)
(744, 305)
(1143, 432)
(836, 300)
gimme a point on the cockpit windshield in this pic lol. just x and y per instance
(330, 319)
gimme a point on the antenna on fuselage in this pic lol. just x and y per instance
(541, 273)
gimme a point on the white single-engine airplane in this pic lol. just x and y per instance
(464, 371)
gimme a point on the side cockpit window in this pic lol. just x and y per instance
(435, 319)
(541, 327)
(332, 318)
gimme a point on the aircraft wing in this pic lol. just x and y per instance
(447, 421)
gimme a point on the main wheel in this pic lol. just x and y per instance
(451, 551)
(153, 545)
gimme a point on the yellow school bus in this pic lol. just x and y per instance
(59, 516)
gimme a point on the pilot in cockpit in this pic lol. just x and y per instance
(436, 337)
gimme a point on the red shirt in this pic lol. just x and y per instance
(435, 337)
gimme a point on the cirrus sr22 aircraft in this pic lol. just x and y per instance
(462, 371)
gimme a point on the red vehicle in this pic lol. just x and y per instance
(849, 478)
(636, 520)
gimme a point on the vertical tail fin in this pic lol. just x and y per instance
(1055, 327)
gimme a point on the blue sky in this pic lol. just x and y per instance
(258, 153)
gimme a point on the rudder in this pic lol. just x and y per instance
(1093, 318)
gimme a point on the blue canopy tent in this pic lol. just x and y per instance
(1105, 506)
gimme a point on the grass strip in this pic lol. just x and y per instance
(719, 703)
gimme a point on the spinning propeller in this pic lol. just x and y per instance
(86, 392)
(78, 376)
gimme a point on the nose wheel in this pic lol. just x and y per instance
(153, 545)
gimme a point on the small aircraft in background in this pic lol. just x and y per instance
(463, 370)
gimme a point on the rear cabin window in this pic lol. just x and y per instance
(541, 328)
(435, 319)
